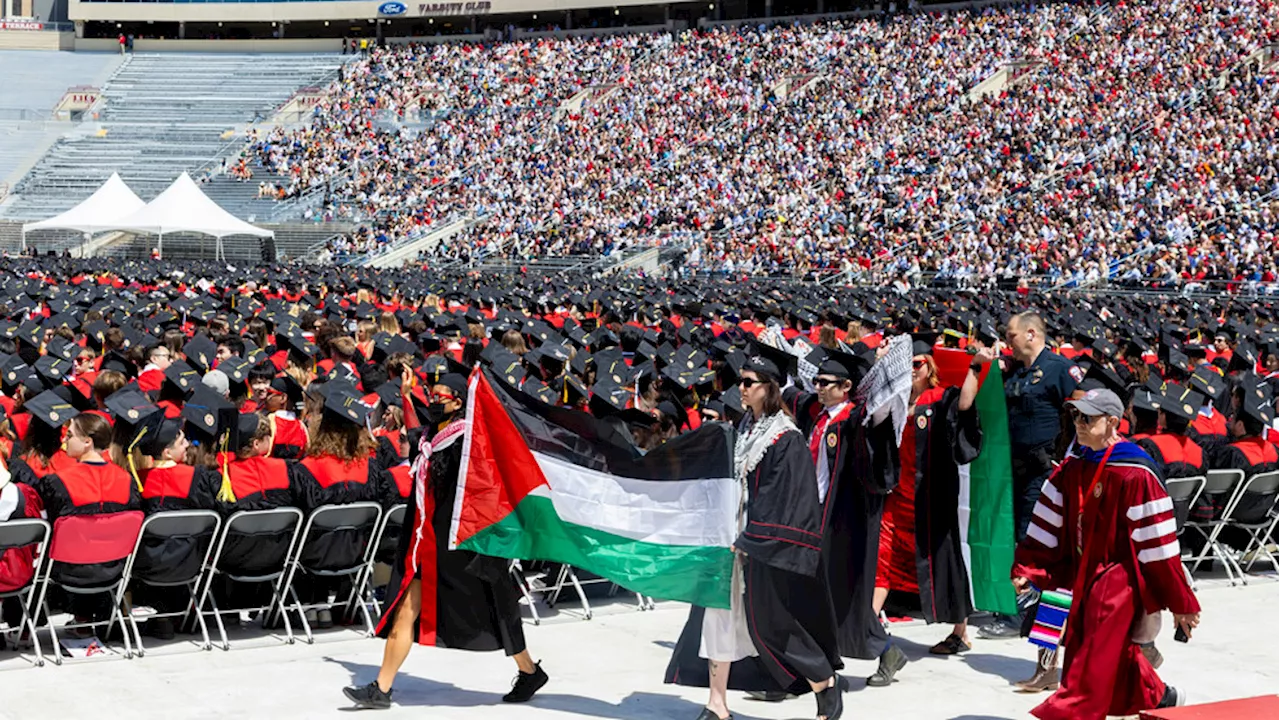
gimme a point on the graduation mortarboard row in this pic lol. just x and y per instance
(608, 346)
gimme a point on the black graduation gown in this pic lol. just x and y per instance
(788, 606)
(865, 468)
(175, 487)
(945, 438)
(469, 601)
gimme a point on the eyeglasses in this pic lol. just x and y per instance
(824, 382)
(748, 382)
(917, 364)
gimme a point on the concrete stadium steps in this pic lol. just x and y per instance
(294, 241)
(183, 246)
(164, 115)
(22, 144)
(36, 80)
(210, 89)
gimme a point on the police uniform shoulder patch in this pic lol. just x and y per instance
(1076, 373)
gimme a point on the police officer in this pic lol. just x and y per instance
(1038, 383)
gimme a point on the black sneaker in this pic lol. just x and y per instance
(370, 697)
(1173, 697)
(525, 685)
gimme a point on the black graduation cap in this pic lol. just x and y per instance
(284, 384)
(607, 398)
(635, 417)
(1146, 399)
(1256, 405)
(389, 394)
(770, 361)
(52, 369)
(1181, 401)
(345, 403)
(1207, 380)
(62, 348)
(242, 428)
(236, 369)
(1108, 378)
(200, 353)
(207, 414)
(844, 365)
(297, 342)
(182, 376)
(166, 431)
(732, 399)
(130, 406)
(539, 390)
(50, 408)
(922, 343)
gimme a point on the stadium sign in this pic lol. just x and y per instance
(437, 9)
(26, 24)
(392, 8)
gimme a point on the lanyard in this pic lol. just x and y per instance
(1083, 497)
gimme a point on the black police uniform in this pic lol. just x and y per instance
(1035, 395)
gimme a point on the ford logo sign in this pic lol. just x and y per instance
(392, 8)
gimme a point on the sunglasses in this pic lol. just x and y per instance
(748, 382)
(825, 382)
(917, 364)
(1079, 417)
(437, 397)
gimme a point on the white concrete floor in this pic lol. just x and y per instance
(610, 667)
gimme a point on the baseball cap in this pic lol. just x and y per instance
(1099, 401)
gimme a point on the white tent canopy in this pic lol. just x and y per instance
(96, 213)
(184, 208)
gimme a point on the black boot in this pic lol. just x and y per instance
(369, 696)
(831, 703)
(891, 661)
(526, 684)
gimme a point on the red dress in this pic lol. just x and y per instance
(896, 566)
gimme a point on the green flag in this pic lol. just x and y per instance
(990, 539)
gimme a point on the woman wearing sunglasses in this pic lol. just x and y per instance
(789, 644)
(942, 433)
(448, 598)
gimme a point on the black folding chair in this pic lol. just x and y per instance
(1253, 510)
(16, 535)
(328, 527)
(1184, 492)
(1218, 483)
(279, 528)
(186, 537)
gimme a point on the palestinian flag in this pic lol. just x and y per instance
(544, 483)
(986, 490)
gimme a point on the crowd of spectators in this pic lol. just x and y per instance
(1132, 143)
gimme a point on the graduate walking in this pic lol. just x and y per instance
(447, 598)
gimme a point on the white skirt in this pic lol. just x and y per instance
(725, 637)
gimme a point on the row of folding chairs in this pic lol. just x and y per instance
(1251, 505)
(536, 581)
(286, 546)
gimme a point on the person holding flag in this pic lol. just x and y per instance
(920, 541)
(448, 598)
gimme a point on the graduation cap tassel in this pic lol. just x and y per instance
(225, 493)
(133, 465)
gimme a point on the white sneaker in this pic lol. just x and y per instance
(324, 618)
(311, 617)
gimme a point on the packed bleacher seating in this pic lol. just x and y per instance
(1136, 144)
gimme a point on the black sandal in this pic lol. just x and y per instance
(831, 702)
(706, 714)
(953, 645)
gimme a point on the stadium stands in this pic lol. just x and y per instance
(165, 114)
(1070, 170)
